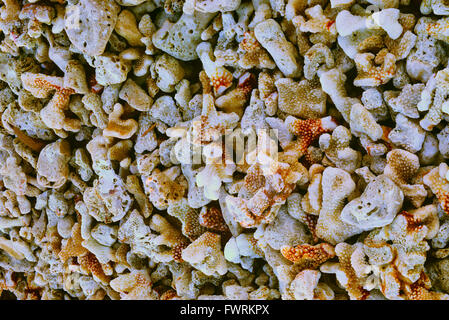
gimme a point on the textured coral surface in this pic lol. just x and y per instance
(224, 149)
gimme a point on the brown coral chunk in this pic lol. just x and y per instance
(307, 256)
(73, 247)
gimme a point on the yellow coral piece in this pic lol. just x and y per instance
(436, 180)
(224, 149)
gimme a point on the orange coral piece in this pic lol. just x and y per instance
(30, 10)
(413, 224)
(420, 290)
(94, 86)
(163, 190)
(44, 84)
(135, 286)
(308, 131)
(444, 201)
(254, 179)
(254, 243)
(354, 285)
(402, 166)
(181, 244)
(437, 28)
(310, 221)
(40, 85)
(221, 79)
(308, 256)
(205, 82)
(54, 239)
(439, 186)
(34, 144)
(149, 129)
(309, 159)
(90, 262)
(249, 42)
(253, 54)
(169, 295)
(73, 247)
(386, 131)
(246, 218)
